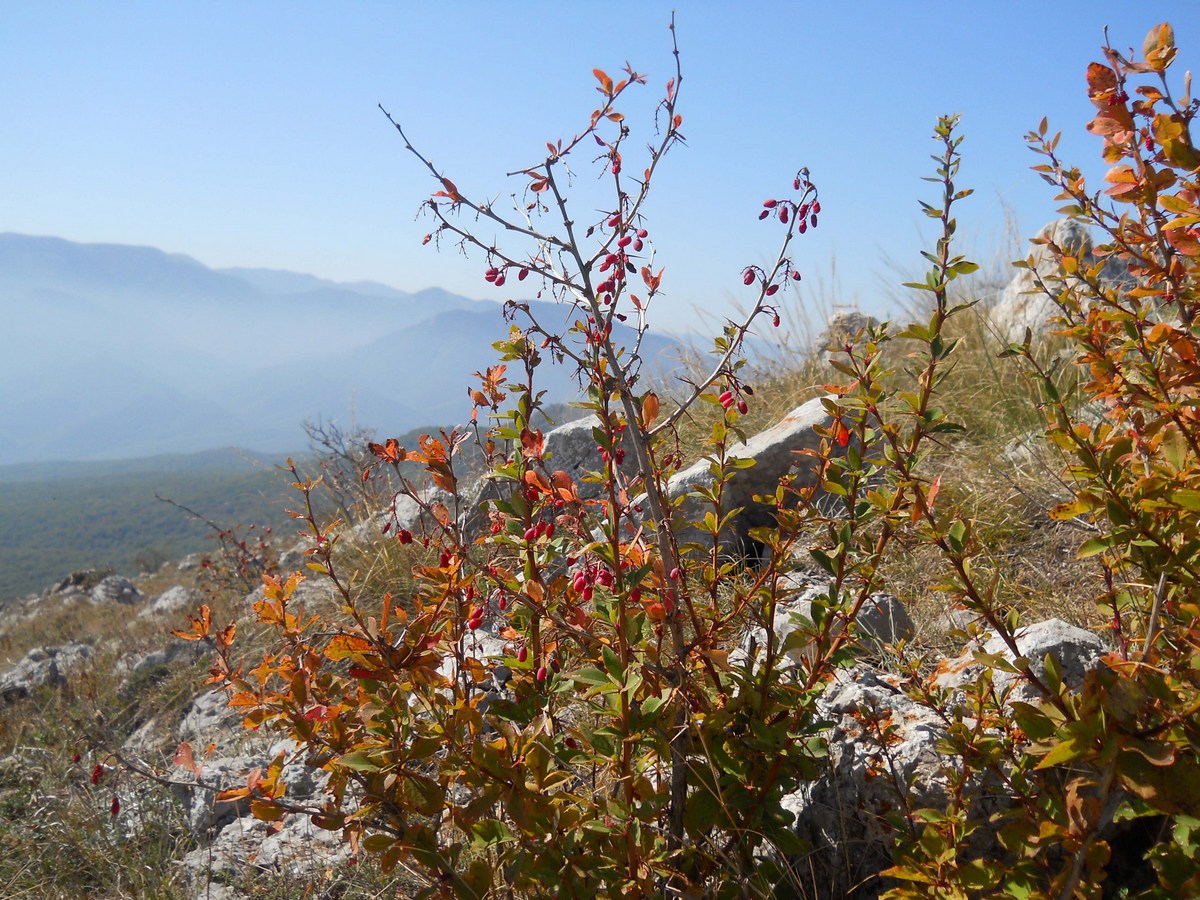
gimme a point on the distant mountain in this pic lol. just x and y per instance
(113, 351)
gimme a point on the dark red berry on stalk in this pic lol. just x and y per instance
(523, 654)
(522, 275)
(770, 204)
(570, 743)
(542, 673)
(499, 281)
(642, 232)
(116, 805)
(742, 407)
(814, 220)
(97, 773)
(775, 321)
(404, 536)
(764, 213)
(726, 399)
(772, 290)
(783, 214)
(748, 277)
(816, 207)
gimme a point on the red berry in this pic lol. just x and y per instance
(814, 220)
(542, 673)
(523, 654)
(474, 624)
(726, 399)
(770, 204)
(642, 232)
(530, 535)
(502, 603)
(783, 214)
(635, 596)
(764, 213)
(772, 290)
(775, 321)
(522, 275)
(743, 407)
(675, 574)
(570, 743)
(816, 207)
(116, 805)
(499, 282)
(404, 536)
(554, 664)
(748, 277)
(97, 773)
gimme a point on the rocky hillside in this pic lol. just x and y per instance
(114, 750)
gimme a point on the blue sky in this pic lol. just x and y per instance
(248, 134)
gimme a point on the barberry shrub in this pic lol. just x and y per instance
(1101, 783)
(556, 710)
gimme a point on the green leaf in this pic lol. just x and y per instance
(359, 761)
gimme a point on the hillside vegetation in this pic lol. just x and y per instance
(632, 676)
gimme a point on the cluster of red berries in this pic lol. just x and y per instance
(587, 577)
(496, 274)
(730, 396)
(617, 456)
(805, 213)
(536, 531)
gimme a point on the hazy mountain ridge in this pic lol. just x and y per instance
(120, 351)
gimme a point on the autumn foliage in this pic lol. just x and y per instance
(555, 711)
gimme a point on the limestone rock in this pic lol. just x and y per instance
(841, 815)
(41, 667)
(173, 600)
(774, 452)
(1074, 649)
(882, 619)
(117, 589)
(1026, 305)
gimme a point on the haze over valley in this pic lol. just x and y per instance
(116, 352)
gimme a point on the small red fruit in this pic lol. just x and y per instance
(726, 399)
(770, 204)
(764, 213)
(97, 773)
(116, 805)
(542, 674)
(523, 654)
(748, 277)
(404, 536)
(743, 407)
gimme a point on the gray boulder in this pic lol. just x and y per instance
(775, 453)
(117, 589)
(1024, 304)
(174, 600)
(842, 815)
(1075, 650)
(42, 667)
(882, 619)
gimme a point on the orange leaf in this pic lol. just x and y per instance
(185, 758)
(606, 83)
(649, 409)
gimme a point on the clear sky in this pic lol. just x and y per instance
(247, 133)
